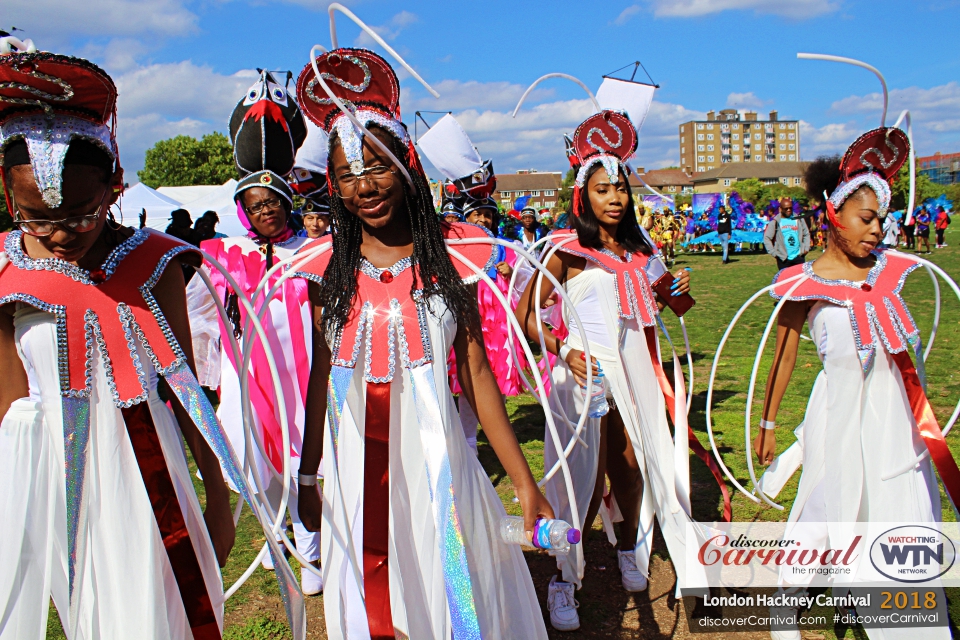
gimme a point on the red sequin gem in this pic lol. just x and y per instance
(97, 276)
(386, 277)
(866, 287)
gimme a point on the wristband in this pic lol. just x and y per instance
(768, 424)
(565, 349)
(307, 480)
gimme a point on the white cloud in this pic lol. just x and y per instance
(826, 140)
(457, 95)
(50, 22)
(934, 113)
(627, 14)
(794, 9)
(746, 101)
(388, 31)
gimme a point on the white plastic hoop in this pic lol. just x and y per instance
(566, 76)
(856, 63)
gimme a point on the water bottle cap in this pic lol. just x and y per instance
(573, 536)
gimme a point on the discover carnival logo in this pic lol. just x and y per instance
(745, 550)
(912, 553)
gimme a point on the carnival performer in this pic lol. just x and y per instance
(472, 181)
(410, 544)
(99, 509)
(604, 272)
(264, 203)
(530, 229)
(867, 414)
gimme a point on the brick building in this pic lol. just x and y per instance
(942, 168)
(731, 137)
(542, 187)
(667, 181)
(725, 177)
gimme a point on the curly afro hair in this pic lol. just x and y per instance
(823, 174)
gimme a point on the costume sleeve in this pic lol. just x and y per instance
(205, 332)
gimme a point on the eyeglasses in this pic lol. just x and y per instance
(347, 184)
(264, 205)
(41, 228)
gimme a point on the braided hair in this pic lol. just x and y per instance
(430, 258)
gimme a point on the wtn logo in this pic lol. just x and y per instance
(912, 553)
(898, 554)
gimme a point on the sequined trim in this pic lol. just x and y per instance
(879, 186)
(63, 360)
(366, 316)
(146, 289)
(350, 138)
(367, 268)
(611, 165)
(391, 347)
(14, 249)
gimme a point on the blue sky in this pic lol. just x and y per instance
(181, 65)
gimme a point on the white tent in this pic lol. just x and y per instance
(188, 194)
(140, 197)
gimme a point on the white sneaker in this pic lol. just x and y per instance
(630, 575)
(562, 606)
(311, 583)
(267, 562)
(791, 632)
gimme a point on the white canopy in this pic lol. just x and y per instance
(140, 197)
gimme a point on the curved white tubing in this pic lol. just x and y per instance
(713, 374)
(753, 383)
(856, 63)
(936, 313)
(541, 392)
(956, 411)
(336, 6)
(566, 76)
(561, 453)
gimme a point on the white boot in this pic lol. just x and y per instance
(630, 576)
(562, 606)
(311, 583)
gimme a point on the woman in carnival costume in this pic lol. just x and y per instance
(267, 130)
(447, 146)
(410, 545)
(99, 507)
(868, 419)
(602, 263)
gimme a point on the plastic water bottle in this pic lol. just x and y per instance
(598, 406)
(555, 535)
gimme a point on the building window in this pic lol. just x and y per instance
(783, 136)
(549, 203)
(793, 156)
(724, 127)
(548, 192)
(504, 194)
(709, 136)
(682, 128)
(768, 127)
(796, 181)
(736, 126)
(709, 147)
(700, 159)
(683, 149)
(535, 194)
(791, 147)
(736, 136)
(710, 126)
(782, 157)
(726, 182)
(782, 147)
(790, 126)
(792, 136)
(736, 147)
(783, 126)
(699, 136)
(700, 147)
(756, 136)
(699, 126)
(709, 158)
(757, 158)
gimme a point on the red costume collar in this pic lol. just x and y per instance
(629, 271)
(877, 312)
(107, 309)
(384, 314)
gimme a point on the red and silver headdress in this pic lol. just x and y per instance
(609, 137)
(872, 160)
(48, 100)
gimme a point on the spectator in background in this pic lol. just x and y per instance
(181, 226)
(206, 226)
(942, 222)
(909, 229)
(891, 232)
(316, 223)
(530, 228)
(690, 230)
(786, 238)
(923, 229)
(724, 228)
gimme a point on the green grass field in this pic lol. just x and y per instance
(255, 611)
